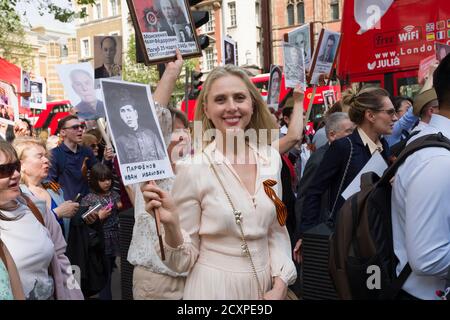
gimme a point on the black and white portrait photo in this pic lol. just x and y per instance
(324, 54)
(301, 37)
(273, 93)
(135, 131)
(328, 98)
(294, 66)
(162, 26)
(26, 90)
(78, 83)
(229, 51)
(38, 97)
(107, 57)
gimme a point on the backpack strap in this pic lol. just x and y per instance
(34, 209)
(398, 282)
(437, 140)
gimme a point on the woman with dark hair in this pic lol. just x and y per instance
(100, 183)
(374, 115)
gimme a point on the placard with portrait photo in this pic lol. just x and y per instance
(107, 58)
(9, 105)
(442, 50)
(329, 98)
(25, 89)
(229, 51)
(294, 66)
(162, 26)
(273, 94)
(324, 54)
(78, 83)
(302, 37)
(38, 96)
(135, 131)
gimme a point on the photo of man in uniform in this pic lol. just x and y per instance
(135, 142)
(109, 68)
(328, 49)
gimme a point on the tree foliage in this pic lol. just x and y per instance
(13, 44)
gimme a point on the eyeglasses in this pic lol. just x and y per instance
(94, 146)
(76, 127)
(389, 112)
(7, 170)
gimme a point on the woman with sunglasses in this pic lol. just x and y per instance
(33, 237)
(374, 115)
(35, 165)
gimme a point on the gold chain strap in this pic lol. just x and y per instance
(238, 218)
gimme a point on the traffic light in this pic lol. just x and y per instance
(200, 18)
(195, 84)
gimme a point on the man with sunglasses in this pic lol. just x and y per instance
(70, 160)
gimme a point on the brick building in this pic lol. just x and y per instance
(290, 14)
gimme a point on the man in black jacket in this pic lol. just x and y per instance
(338, 125)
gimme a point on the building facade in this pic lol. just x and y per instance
(241, 20)
(51, 48)
(290, 14)
(103, 18)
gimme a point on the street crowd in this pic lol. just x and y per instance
(234, 216)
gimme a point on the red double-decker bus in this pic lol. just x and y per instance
(48, 119)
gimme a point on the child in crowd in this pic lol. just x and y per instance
(100, 183)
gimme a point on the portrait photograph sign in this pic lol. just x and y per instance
(78, 83)
(107, 58)
(273, 93)
(9, 106)
(442, 50)
(324, 54)
(294, 66)
(329, 98)
(38, 96)
(25, 89)
(162, 26)
(302, 37)
(229, 51)
(135, 131)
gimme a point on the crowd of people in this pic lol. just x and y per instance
(234, 214)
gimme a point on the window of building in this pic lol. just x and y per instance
(209, 26)
(258, 13)
(290, 13)
(209, 55)
(334, 6)
(64, 50)
(85, 48)
(113, 6)
(232, 9)
(300, 12)
(259, 55)
(98, 10)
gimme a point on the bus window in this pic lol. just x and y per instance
(408, 87)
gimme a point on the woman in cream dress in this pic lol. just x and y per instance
(202, 236)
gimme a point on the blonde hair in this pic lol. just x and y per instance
(21, 145)
(89, 139)
(261, 117)
(359, 101)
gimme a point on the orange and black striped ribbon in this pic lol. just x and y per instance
(52, 185)
(279, 205)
